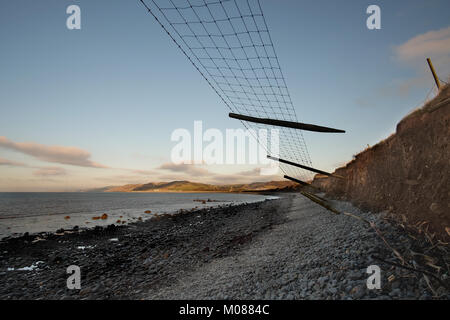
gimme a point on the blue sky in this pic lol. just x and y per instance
(117, 88)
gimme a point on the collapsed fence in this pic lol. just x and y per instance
(229, 43)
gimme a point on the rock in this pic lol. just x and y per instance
(55, 258)
(332, 290)
(111, 227)
(84, 292)
(441, 291)
(323, 280)
(435, 208)
(395, 293)
(425, 296)
(354, 275)
(95, 288)
(395, 285)
(358, 292)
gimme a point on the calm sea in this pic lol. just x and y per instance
(37, 212)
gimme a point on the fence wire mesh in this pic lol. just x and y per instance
(229, 43)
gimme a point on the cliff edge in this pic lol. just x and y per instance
(407, 174)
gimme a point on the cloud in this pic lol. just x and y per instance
(185, 168)
(6, 162)
(58, 154)
(197, 174)
(247, 176)
(244, 179)
(143, 172)
(250, 173)
(50, 171)
(122, 179)
(434, 44)
(40, 172)
(412, 54)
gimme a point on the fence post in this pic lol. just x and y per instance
(436, 79)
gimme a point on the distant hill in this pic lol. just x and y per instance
(187, 186)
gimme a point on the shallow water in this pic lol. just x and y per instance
(42, 212)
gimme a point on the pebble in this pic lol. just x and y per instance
(307, 253)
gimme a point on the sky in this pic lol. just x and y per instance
(97, 106)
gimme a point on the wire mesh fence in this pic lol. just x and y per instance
(229, 43)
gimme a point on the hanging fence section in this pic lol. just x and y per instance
(229, 43)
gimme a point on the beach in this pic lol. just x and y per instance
(36, 212)
(119, 262)
(286, 248)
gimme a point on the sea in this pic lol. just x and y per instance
(36, 212)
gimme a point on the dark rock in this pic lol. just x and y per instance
(55, 258)
(358, 292)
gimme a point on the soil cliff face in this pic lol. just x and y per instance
(408, 174)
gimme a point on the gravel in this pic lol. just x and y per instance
(289, 248)
(313, 254)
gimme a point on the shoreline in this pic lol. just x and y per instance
(151, 251)
(15, 226)
(287, 248)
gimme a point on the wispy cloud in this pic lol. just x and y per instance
(199, 174)
(239, 178)
(144, 172)
(6, 162)
(412, 54)
(434, 44)
(57, 154)
(250, 173)
(50, 171)
(185, 168)
(40, 171)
